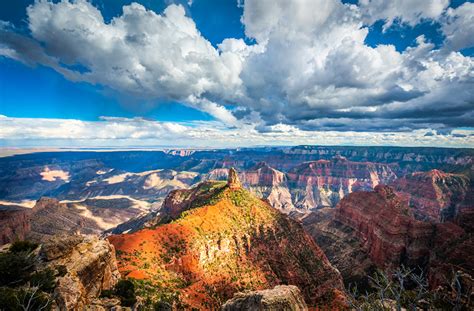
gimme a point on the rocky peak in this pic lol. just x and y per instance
(233, 179)
(233, 237)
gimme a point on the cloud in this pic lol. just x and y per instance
(309, 67)
(320, 74)
(410, 12)
(458, 27)
(117, 132)
(140, 52)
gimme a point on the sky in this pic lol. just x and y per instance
(229, 73)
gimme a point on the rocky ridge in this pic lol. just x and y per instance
(90, 267)
(224, 240)
(310, 185)
(434, 195)
(376, 229)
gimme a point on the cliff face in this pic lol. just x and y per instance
(50, 217)
(263, 181)
(14, 223)
(376, 229)
(324, 183)
(382, 222)
(223, 243)
(311, 185)
(90, 267)
(433, 195)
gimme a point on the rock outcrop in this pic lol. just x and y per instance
(89, 267)
(224, 240)
(233, 181)
(263, 181)
(382, 222)
(280, 298)
(433, 195)
(14, 223)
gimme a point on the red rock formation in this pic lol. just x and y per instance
(225, 243)
(433, 195)
(382, 222)
(14, 223)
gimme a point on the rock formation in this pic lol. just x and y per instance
(324, 183)
(381, 220)
(433, 195)
(50, 217)
(14, 223)
(310, 185)
(263, 181)
(89, 265)
(280, 298)
(61, 273)
(233, 181)
(376, 229)
(224, 240)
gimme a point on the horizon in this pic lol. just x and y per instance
(236, 74)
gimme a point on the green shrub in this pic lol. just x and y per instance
(162, 306)
(15, 268)
(125, 290)
(44, 279)
(23, 246)
(23, 299)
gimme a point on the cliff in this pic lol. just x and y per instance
(61, 273)
(14, 223)
(224, 240)
(433, 195)
(263, 181)
(90, 267)
(369, 230)
(381, 221)
(324, 183)
(310, 185)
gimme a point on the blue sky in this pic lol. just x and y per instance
(260, 93)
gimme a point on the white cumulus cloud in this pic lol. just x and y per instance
(308, 68)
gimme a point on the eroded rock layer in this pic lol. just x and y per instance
(433, 195)
(224, 243)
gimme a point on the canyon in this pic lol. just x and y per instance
(199, 234)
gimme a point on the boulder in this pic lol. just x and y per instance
(280, 298)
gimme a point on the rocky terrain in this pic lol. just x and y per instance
(50, 217)
(434, 195)
(263, 181)
(282, 297)
(377, 229)
(14, 223)
(310, 185)
(324, 183)
(224, 240)
(62, 273)
(140, 174)
(189, 234)
(91, 267)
